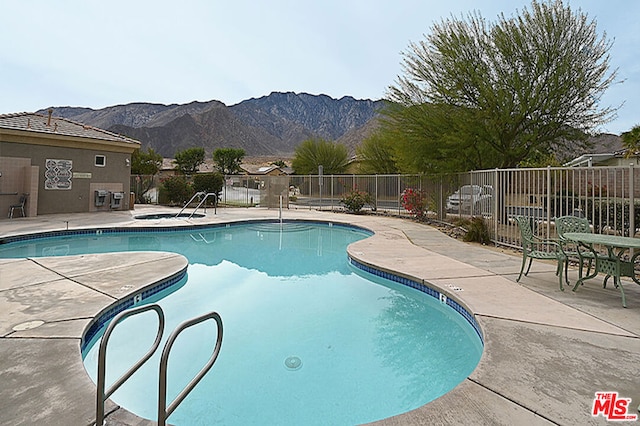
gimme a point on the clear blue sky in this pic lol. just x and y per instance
(95, 54)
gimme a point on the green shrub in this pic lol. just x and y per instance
(614, 215)
(477, 231)
(356, 200)
(210, 183)
(176, 190)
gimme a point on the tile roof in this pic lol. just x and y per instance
(39, 123)
(259, 170)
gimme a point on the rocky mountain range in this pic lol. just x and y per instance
(271, 125)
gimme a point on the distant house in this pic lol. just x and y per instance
(63, 166)
(271, 170)
(607, 150)
(615, 159)
(168, 168)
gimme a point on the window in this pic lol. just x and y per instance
(101, 160)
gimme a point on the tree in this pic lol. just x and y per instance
(279, 163)
(631, 140)
(435, 138)
(530, 83)
(145, 165)
(376, 155)
(189, 160)
(314, 152)
(228, 160)
(209, 183)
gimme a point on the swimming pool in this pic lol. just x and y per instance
(309, 338)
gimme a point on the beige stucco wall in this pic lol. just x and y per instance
(25, 165)
(17, 178)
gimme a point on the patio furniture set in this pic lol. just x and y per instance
(576, 241)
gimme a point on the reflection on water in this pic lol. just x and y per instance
(444, 343)
(56, 250)
(288, 249)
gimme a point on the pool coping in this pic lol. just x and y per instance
(498, 392)
(142, 295)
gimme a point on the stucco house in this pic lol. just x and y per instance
(255, 170)
(62, 166)
(607, 150)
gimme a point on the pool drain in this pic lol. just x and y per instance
(293, 363)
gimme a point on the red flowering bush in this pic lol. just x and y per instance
(415, 202)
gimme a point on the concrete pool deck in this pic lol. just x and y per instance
(546, 352)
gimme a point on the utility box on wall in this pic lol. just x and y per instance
(116, 199)
(101, 197)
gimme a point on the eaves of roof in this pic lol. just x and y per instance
(41, 126)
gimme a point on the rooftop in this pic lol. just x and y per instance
(49, 125)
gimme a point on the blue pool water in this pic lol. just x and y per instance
(308, 338)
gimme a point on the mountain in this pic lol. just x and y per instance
(271, 125)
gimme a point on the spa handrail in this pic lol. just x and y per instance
(101, 394)
(165, 411)
(204, 196)
(197, 194)
(202, 202)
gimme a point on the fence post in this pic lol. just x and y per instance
(399, 203)
(496, 188)
(310, 189)
(331, 192)
(632, 206)
(548, 201)
(441, 208)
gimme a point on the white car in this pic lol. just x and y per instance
(471, 196)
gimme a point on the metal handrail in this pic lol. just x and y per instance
(203, 239)
(205, 195)
(163, 411)
(101, 395)
(197, 194)
(202, 202)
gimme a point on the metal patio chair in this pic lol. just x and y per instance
(565, 224)
(20, 206)
(534, 247)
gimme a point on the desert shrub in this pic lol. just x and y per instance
(477, 231)
(208, 183)
(176, 190)
(613, 215)
(356, 200)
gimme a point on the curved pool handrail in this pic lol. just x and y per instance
(101, 394)
(202, 202)
(165, 411)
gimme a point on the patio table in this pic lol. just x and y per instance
(612, 263)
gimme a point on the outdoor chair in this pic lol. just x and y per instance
(534, 247)
(565, 224)
(20, 205)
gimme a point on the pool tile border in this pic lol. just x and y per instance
(169, 228)
(423, 287)
(134, 299)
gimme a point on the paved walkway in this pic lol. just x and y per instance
(546, 352)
